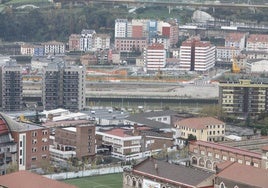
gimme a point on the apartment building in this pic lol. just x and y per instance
(226, 54)
(87, 38)
(235, 40)
(102, 42)
(28, 142)
(76, 141)
(208, 155)
(74, 42)
(203, 128)
(11, 86)
(27, 49)
(196, 55)
(133, 143)
(170, 30)
(243, 97)
(130, 44)
(54, 47)
(257, 42)
(155, 56)
(64, 86)
(120, 30)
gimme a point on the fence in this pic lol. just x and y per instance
(85, 173)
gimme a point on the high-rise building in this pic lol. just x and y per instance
(11, 86)
(63, 86)
(121, 26)
(196, 55)
(155, 56)
(243, 97)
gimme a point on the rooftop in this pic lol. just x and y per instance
(249, 175)
(199, 122)
(227, 148)
(179, 174)
(30, 180)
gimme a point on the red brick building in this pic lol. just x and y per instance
(78, 140)
(207, 155)
(32, 143)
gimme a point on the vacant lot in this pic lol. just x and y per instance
(105, 181)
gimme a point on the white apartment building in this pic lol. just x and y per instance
(121, 26)
(257, 42)
(196, 55)
(124, 145)
(54, 47)
(102, 41)
(226, 53)
(27, 49)
(155, 57)
(87, 40)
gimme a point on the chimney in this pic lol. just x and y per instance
(135, 130)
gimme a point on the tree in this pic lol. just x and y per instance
(264, 131)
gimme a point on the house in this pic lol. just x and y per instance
(203, 128)
(161, 174)
(30, 180)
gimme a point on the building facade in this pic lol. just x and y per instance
(64, 87)
(74, 42)
(11, 86)
(79, 139)
(257, 42)
(155, 57)
(130, 44)
(243, 97)
(208, 155)
(87, 38)
(203, 128)
(196, 55)
(54, 47)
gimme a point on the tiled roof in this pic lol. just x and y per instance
(234, 37)
(227, 148)
(199, 122)
(257, 38)
(30, 180)
(265, 148)
(245, 174)
(165, 171)
(118, 132)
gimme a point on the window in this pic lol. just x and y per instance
(202, 152)
(222, 185)
(240, 161)
(232, 159)
(224, 158)
(209, 154)
(34, 141)
(34, 134)
(217, 156)
(34, 150)
(33, 158)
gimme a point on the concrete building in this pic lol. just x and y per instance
(130, 44)
(257, 66)
(208, 155)
(155, 57)
(11, 86)
(64, 86)
(54, 48)
(170, 30)
(161, 174)
(203, 128)
(79, 141)
(243, 97)
(196, 55)
(28, 143)
(87, 39)
(74, 42)
(160, 39)
(136, 143)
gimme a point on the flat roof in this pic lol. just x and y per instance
(72, 129)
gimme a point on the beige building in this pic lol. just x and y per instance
(203, 128)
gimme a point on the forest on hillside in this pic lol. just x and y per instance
(38, 25)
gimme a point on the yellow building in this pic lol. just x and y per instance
(203, 128)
